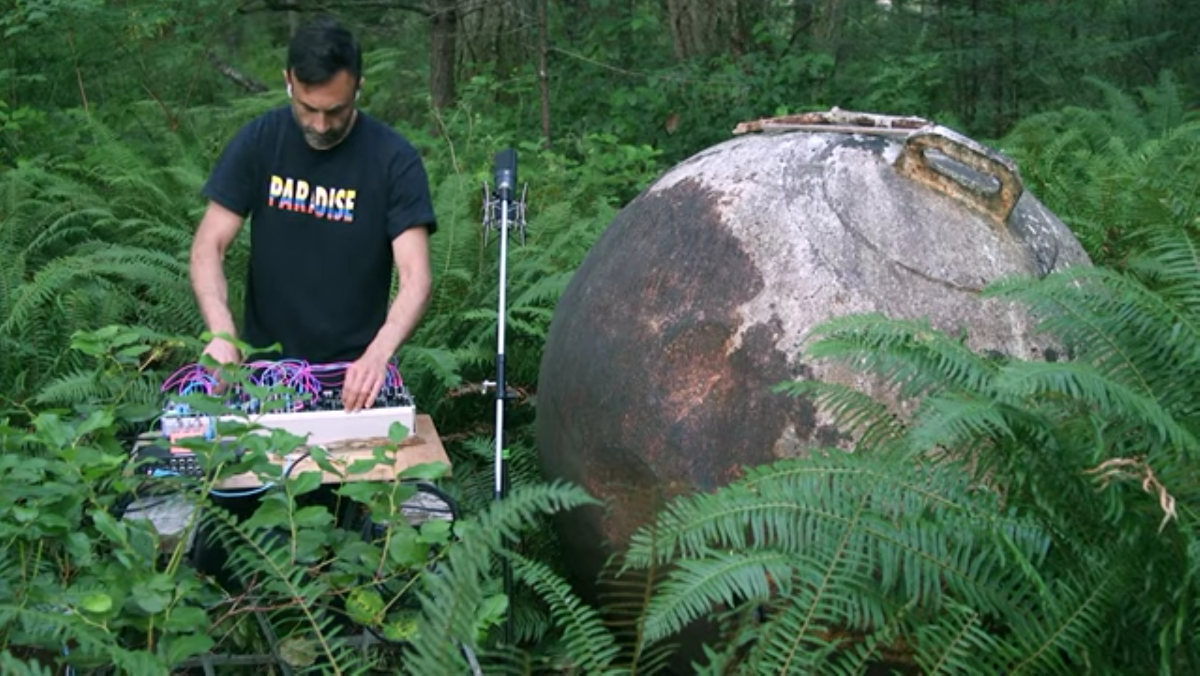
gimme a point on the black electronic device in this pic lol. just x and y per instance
(161, 459)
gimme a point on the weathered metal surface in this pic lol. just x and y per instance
(834, 120)
(658, 367)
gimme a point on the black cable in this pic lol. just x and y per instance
(142, 508)
(287, 472)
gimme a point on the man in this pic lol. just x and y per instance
(336, 198)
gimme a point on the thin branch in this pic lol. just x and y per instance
(236, 76)
(78, 72)
(716, 82)
(172, 122)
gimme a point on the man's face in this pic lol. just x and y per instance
(326, 111)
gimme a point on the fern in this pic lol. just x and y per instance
(1111, 172)
(624, 595)
(911, 355)
(1051, 446)
(449, 629)
(831, 548)
(305, 631)
(586, 640)
(90, 240)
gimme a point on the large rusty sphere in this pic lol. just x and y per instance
(658, 368)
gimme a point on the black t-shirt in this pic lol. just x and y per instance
(321, 230)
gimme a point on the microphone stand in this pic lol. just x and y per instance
(499, 206)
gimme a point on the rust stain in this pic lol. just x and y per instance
(642, 396)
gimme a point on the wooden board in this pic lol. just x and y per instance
(421, 447)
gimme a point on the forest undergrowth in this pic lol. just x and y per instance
(1069, 550)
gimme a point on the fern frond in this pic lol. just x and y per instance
(1116, 324)
(853, 412)
(700, 584)
(960, 644)
(845, 540)
(452, 596)
(624, 594)
(587, 642)
(1109, 399)
(1075, 612)
(1170, 265)
(262, 560)
(133, 265)
(911, 354)
(52, 629)
(505, 520)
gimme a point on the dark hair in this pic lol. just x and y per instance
(322, 48)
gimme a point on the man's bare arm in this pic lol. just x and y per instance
(365, 377)
(216, 232)
(411, 252)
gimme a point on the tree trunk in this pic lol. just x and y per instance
(827, 30)
(677, 20)
(543, 76)
(497, 33)
(702, 28)
(443, 38)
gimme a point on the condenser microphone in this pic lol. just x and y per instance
(503, 208)
(506, 173)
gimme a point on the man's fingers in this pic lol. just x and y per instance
(350, 392)
(361, 388)
(373, 393)
(355, 390)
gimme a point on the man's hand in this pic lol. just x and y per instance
(226, 354)
(223, 352)
(364, 380)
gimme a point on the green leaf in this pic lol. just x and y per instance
(149, 599)
(435, 531)
(271, 513)
(406, 548)
(427, 471)
(96, 420)
(363, 492)
(313, 516)
(306, 482)
(133, 351)
(321, 457)
(108, 526)
(180, 648)
(363, 466)
(309, 544)
(186, 618)
(401, 626)
(52, 431)
(492, 610)
(79, 547)
(364, 605)
(96, 602)
(397, 432)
